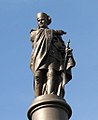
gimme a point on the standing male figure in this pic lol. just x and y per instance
(48, 57)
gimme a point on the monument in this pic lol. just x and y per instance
(51, 64)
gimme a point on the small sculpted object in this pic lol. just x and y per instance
(51, 60)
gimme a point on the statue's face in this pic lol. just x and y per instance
(42, 23)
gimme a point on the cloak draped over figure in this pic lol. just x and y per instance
(51, 60)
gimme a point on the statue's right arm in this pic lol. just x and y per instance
(32, 35)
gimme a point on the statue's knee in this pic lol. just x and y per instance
(51, 74)
(37, 77)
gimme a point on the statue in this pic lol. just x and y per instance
(51, 60)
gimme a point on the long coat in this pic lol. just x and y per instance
(48, 49)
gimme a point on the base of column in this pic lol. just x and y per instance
(49, 107)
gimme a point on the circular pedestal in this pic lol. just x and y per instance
(49, 107)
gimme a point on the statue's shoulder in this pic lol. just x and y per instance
(32, 34)
(50, 31)
(32, 30)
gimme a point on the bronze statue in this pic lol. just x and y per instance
(51, 60)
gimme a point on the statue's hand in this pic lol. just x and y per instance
(60, 32)
(68, 50)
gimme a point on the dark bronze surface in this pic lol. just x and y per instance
(51, 60)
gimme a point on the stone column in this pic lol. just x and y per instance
(49, 107)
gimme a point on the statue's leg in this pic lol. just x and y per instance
(38, 82)
(51, 81)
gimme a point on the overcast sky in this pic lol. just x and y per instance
(79, 18)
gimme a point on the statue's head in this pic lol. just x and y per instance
(43, 19)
